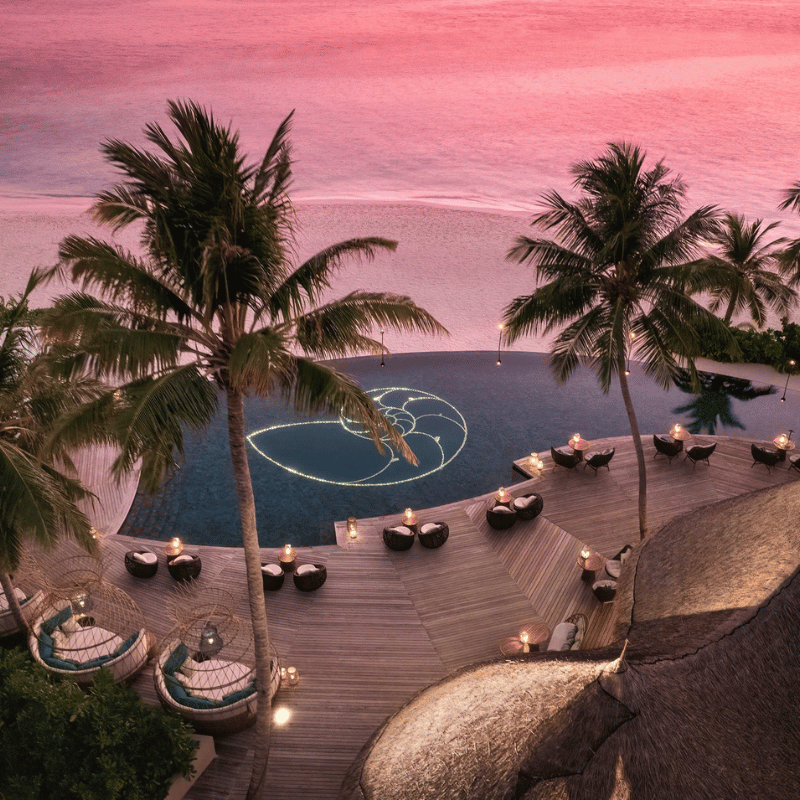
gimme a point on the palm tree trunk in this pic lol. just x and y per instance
(258, 613)
(731, 308)
(13, 603)
(637, 446)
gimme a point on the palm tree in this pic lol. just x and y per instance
(747, 270)
(216, 305)
(617, 277)
(37, 500)
(790, 256)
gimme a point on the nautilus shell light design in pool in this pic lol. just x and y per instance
(339, 451)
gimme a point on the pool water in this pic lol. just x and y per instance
(466, 419)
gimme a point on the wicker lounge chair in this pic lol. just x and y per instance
(398, 538)
(184, 567)
(613, 566)
(433, 534)
(141, 563)
(528, 506)
(501, 518)
(700, 453)
(794, 462)
(309, 577)
(667, 446)
(601, 459)
(568, 635)
(272, 576)
(564, 457)
(762, 455)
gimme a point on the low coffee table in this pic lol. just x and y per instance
(590, 566)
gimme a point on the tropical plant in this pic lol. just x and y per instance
(37, 500)
(215, 305)
(746, 271)
(59, 741)
(617, 278)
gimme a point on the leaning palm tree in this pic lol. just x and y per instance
(216, 306)
(37, 500)
(747, 270)
(616, 278)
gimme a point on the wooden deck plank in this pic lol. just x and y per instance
(386, 624)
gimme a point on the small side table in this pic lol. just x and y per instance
(288, 563)
(538, 632)
(579, 447)
(590, 566)
(782, 447)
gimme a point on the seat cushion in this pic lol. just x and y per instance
(272, 569)
(145, 557)
(563, 637)
(430, 527)
(184, 559)
(306, 569)
(502, 510)
(613, 568)
(402, 530)
(524, 502)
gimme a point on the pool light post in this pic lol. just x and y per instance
(499, 343)
(789, 368)
(383, 363)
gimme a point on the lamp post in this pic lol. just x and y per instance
(789, 367)
(383, 363)
(499, 343)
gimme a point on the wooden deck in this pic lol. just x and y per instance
(386, 624)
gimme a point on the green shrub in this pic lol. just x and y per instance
(58, 742)
(773, 347)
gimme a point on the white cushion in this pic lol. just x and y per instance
(563, 637)
(305, 569)
(524, 502)
(613, 568)
(70, 625)
(625, 556)
(430, 527)
(402, 530)
(145, 558)
(18, 593)
(188, 667)
(502, 510)
(89, 643)
(182, 559)
(59, 639)
(272, 569)
(215, 679)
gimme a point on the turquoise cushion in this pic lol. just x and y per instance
(199, 702)
(45, 645)
(57, 663)
(175, 689)
(95, 662)
(176, 659)
(127, 644)
(51, 624)
(234, 697)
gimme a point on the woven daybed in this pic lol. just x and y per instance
(205, 671)
(29, 601)
(79, 646)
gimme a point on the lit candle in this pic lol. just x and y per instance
(523, 637)
(291, 676)
(501, 494)
(577, 437)
(283, 673)
(585, 553)
(352, 527)
(287, 551)
(782, 439)
(409, 517)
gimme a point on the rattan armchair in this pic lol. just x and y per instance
(762, 455)
(184, 569)
(528, 506)
(666, 446)
(601, 459)
(700, 453)
(397, 539)
(564, 457)
(310, 580)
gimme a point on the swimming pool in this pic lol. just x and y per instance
(465, 417)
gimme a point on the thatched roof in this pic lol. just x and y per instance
(706, 706)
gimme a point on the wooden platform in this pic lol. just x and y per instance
(386, 624)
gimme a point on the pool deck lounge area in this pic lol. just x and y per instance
(386, 624)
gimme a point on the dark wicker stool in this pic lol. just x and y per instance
(530, 509)
(435, 535)
(501, 518)
(184, 570)
(272, 582)
(397, 540)
(605, 591)
(310, 581)
(139, 569)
